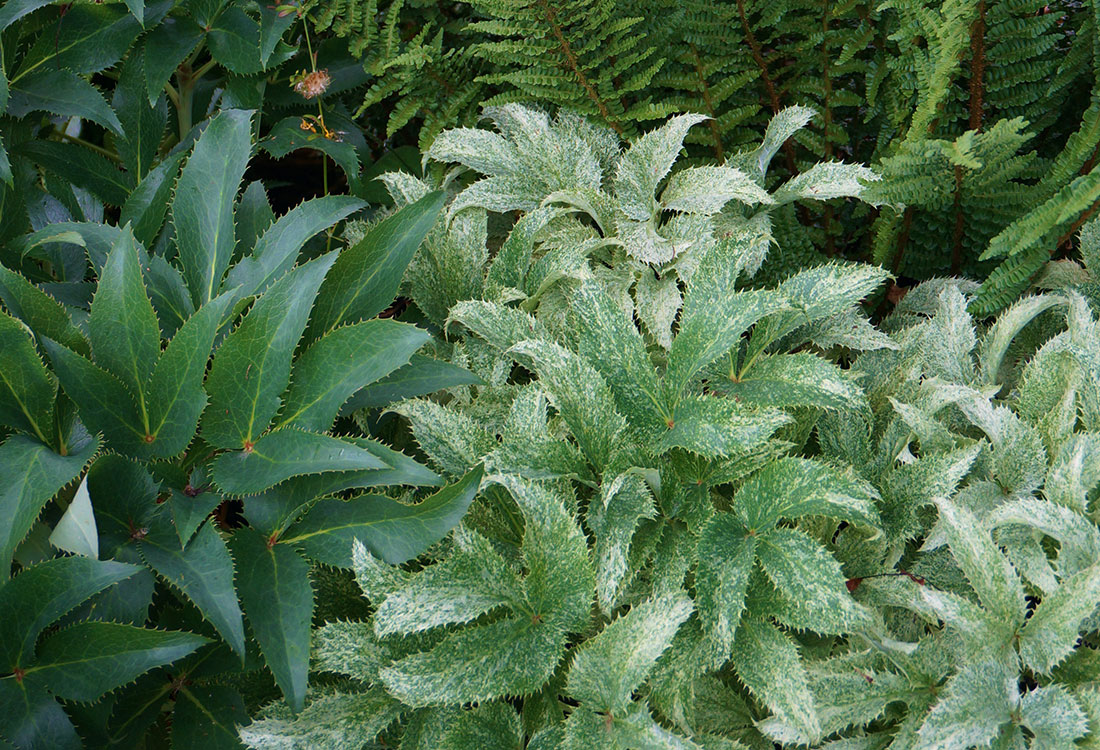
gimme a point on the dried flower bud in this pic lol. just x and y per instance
(313, 84)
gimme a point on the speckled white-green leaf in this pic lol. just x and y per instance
(849, 329)
(995, 342)
(1074, 472)
(1053, 717)
(794, 487)
(511, 262)
(658, 302)
(800, 379)
(330, 721)
(1052, 631)
(514, 656)
(452, 440)
(848, 696)
(985, 567)
(612, 344)
(826, 180)
(976, 703)
(716, 427)
(347, 647)
(491, 726)
(377, 579)
(560, 582)
(471, 582)
(727, 555)
(609, 667)
(645, 164)
(500, 325)
(768, 663)
(480, 150)
(705, 190)
(404, 188)
(786, 123)
(580, 395)
(623, 503)
(713, 319)
(816, 293)
(634, 730)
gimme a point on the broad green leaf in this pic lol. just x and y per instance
(333, 721)
(788, 380)
(202, 211)
(727, 554)
(608, 668)
(252, 367)
(392, 531)
(365, 278)
(809, 580)
(471, 582)
(253, 217)
(89, 659)
(795, 487)
(985, 567)
(143, 123)
(16, 9)
(977, 702)
(285, 453)
(96, 239)
(1052, 631)
(206, 718)
(421, 376)
(768, 662)
(273, 25)
(43, 593)
(64, 93)
(276, 594)
(176, 397)
(203, 573)
(27, 392)
(45, 315)
(76, 531)
(714, 427)
(461, 669)
(234, 41)
(30, 474)
(634, 730)
(1053, 717)
(34, 719)
(276, 250)
(104, 403)
(610, 342)
(580, 394)
(338, 364)
(123, 328)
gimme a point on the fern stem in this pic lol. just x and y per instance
(573, 64)
(90, 146)
(977, 68)
(715, 132)
(827, 114)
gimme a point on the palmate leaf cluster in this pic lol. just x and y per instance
(786, 526)
(178, 435)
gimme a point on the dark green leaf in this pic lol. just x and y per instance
(91, 38)
(206, 718)
(96, 239)
(390, 530)
(89, 659)
(82, 168)
(147, 204)
(423, 375)
(253, 217)
(27, 392)
(33, 719)
(30, 474)
(76, 531)
(16, 9)
(252, 367)
(176, 397)
(287, 136)
(123, 327)
(273, 580)
(104, 403)
(277, 248)
(40, 311)
(340, 363)
(42, 594)
(142, 124)
(62, 92)
(286, 453)
(171, 42)
(169, 294)
(234, 41)
(205, 196)
(365, 278)
(203, 572)
(273, 25)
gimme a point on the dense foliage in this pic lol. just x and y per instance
(559, 375)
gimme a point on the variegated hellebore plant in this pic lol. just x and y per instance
(182, 415)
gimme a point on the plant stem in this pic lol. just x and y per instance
(98, 149)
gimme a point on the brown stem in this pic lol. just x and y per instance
(573, 64)
(903, 241)
(715, 133)
(830, 248)
(977, 67)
